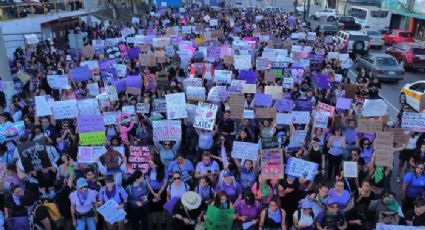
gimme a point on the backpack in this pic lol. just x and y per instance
(54, 214)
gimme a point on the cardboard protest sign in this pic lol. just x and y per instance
(374, 108)
(236, 103)
(350, 90)
(139, 159)
(81, 73)
(242, 62)
(88, 107)
(413, 121)
(167, 130)
(326, 108)
(297, 140)
(272, 164)
(400, 136)
(33, 156)
(369, 125)
(262, 99)
(269, 143)
(219, 218)
(222, 76)
(283, 118)
(249, 88)
(58, 81)
(111, 213)
(384, 150)
(300, 117)
(276, 91)
(205, 116)
(343, 103)
(176, 106)
(350, 169)
(269, 112)
(269, 76)
(11, 130)
(195, 93)
(321, 119)
(142, 108)
(43, 106)
(245, 150)
(65, 109)
(301, 168)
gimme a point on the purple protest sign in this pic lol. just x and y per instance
(343, 103)
(322, 81)
(134, 81)
(106, 64)
(284, 105)
(303, 105)
(109, 75)
(213, 52)
(121, 85)
(81, 73)
(133, 53)
(248, 75)
(262, 99)
(90, 123)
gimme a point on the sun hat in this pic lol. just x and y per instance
(191, 200)
(82, 182)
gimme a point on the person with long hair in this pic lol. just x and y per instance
(273, 217)
(138, 192)
(262, 190)
(157, 184)
(413, 186)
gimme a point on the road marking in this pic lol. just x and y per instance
(352, 73)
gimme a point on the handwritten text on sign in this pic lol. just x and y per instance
(413, 121)
(205, 116)
(271, 163)
(245, 150)
(139, 159)
(166, 130)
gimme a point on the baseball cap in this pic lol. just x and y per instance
(82, 182)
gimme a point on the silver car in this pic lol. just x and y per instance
(376, 39)
(383, 66)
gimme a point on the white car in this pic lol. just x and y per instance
(273, 9)
(238, 5)
(412, 93)
(376, 38)
(329, 14)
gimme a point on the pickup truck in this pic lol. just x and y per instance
(348, 23)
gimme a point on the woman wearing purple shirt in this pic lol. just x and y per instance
(248, 211)
(339, 195)
(230, 186)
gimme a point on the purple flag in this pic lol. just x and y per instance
(284, 105)
(121, 85)
(81, 73)
(248, 75)
(133, 53)
(90, 123)
(262, 99)
(134, 81)
(343, 103)
(322, 81)
(303, 105)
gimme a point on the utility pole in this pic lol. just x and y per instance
(5, 74)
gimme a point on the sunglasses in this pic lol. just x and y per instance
(83, 187)
(176, 178)
(420, 168)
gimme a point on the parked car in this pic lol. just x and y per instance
(376, 38)
(383, 66)
(397, 36)
(238, 5)
(357, 42)
(348, 23)
(328, 29)
(330, 14)
(409, 54)
(412, 93)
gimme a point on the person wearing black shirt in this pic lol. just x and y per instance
(416, 216)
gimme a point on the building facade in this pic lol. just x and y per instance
(407, 15)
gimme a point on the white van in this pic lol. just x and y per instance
(371, 17)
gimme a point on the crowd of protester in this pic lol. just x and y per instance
(188, 176)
